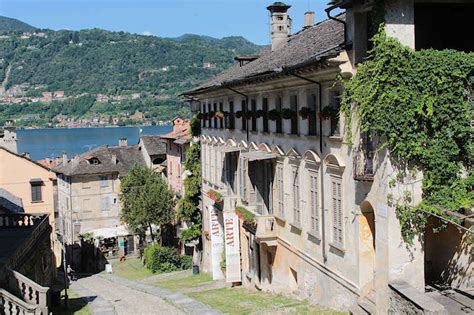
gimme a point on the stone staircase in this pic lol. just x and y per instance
(366, 305)
(20, 234)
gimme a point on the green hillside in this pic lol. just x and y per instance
(112, 63)
(9, 24)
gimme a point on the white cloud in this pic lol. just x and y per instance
(147, 33)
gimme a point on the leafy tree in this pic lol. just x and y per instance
(146, 200)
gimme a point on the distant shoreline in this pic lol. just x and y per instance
(90, 127)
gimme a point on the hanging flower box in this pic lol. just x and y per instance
(238, 114)
(305, 112)
(219, 115)
(199, 116)
(328, 113)
(288, 113)
(212, 114)
(249, 114)
(274, 114)
(259, 113)
(214, 195)
(245, 215)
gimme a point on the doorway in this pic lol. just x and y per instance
(367, 247)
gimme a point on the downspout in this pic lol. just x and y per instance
(323, 216)
(347, 45)
(246, 107)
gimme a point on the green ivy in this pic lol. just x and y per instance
(418, 104)
(189, 204)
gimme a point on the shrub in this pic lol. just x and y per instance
(161, 259)
(186, 262)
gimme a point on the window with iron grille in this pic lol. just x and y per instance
(311, 99)
(294, 117)
(279, 120)
(253, 104)
(265, 114)
(296, 196)
(314, 204)
(336, 209)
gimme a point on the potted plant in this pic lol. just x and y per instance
(219, 114)
(328, 112)
(206, 235)
(287, 113)
(238, 114)
(214, 195)
(245, 215)
(305, 112)
(274, 114)
(259, 113)
(249, 114)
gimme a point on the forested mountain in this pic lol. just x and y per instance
(9, 24)
(98, 62)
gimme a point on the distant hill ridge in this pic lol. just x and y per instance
(10, 24)
(96, 61)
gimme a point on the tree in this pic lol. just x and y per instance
(146, 200)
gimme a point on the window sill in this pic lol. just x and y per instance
(37, 201)
(338, 247)
(296, 226)
(335, 138)
(280, 218)
(315, 236)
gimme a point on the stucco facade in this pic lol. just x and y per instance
(20, 176)
(325, 227)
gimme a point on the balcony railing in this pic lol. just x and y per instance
(363, 165)
(10, 304)
(266, 229)
(31, 293)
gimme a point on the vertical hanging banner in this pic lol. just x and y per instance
(217, 243)
(232, 247)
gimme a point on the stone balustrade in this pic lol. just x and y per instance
(10, 304)
(20, 220)
(31, 292)
(266, 229)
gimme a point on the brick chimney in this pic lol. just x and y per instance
(308, 19)
(114, 158)
(280, 24)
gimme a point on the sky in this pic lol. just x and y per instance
(164, 18)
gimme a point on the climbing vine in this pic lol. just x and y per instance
(189, 204)
(417, 104)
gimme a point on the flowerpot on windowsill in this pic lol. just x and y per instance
(305, 112)
(246, 216)
(215, 196)
(288, 113)
(328, 113)
(206, 235)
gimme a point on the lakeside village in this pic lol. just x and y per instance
(17, 95)
(280, 183)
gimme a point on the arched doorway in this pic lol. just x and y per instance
(367, 247)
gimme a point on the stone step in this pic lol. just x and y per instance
(367, 306)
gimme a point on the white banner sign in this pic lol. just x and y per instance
(232, 247)
(217, 243)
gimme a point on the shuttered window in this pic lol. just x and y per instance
(280, 190)
(105, 203)
(337, 216)
(296, 197)
(313, 198)
(243, 179)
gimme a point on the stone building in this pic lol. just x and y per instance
(273, 144)
(8, 136)
(177, 142)
(27, 186)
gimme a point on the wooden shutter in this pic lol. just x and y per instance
(337, 214)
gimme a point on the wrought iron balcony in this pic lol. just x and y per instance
(363, 165)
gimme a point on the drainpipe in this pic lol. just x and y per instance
(347, 45)
(246, 107)
(323, 216)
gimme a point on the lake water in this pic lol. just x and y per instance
(43, 143)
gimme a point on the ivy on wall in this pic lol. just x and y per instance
(418, 104)
(189, 204)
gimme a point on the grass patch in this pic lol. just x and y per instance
(188, 281)
(243, 301)
(76, 305)
(131, 269)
